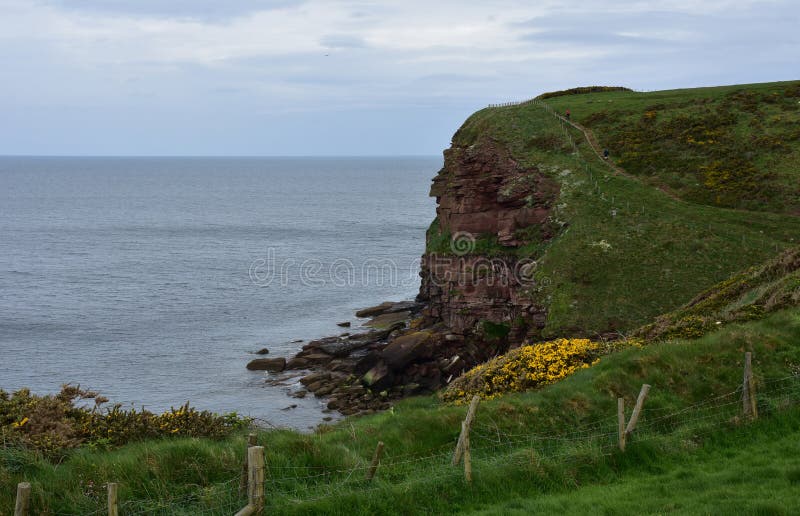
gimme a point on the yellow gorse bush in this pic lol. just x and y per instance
(525, 368)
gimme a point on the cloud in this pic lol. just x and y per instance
(342, 41)
(254, 63)
(210, 10)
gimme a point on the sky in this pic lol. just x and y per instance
(347, 77)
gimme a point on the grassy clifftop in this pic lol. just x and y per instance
(734, 146)
(626, 250)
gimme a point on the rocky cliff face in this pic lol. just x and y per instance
(474, 278)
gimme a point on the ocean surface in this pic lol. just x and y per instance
(153, 280)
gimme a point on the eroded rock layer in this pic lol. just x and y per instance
(488, 206)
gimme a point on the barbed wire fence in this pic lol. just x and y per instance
(485, 445)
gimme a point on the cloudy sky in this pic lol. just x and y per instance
(346, 77)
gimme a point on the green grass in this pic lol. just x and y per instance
(734, 146)
(322, 473)
(625, 251)
(720, 478)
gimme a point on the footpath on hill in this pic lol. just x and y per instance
(591, 139)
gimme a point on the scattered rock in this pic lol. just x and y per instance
(345, 324)
(300, 394)
(274, 365)
(379, 377)
(290, 407)
(405, 306)
(323, 390)
(406, 349)
(318, 358)
(297, 341)
(386, 320)
(262, 351)
(342, 348)
(374, 310)
(315, 377)
(297, 363)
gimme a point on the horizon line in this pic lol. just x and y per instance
(221, 156)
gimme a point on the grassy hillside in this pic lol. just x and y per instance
(552, 448)
(734, 146)
(748, 295)
(627, 251)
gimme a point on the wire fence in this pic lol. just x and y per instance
(492, 446)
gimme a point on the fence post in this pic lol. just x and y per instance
(251, 441)
(749, 406)
(637, 410)
(255, 478)
(621, 421)
(113, 509)
(467, 453)
(376, 459)
(473, 406)
(23, 499)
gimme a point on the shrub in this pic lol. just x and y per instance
(54, 423)
(525, 368)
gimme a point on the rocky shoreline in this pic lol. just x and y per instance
(406, 352)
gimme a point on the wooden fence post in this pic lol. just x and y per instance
(251, 441)
(749, 406)
(473, 406)
(113, 509)
(637, 410)
(23, 499)
(255, 477)
(467, 454)
(621, 421)
(376, 459)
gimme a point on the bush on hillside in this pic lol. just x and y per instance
(54, 423)
(529, 367)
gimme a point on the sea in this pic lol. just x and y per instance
(154, 280)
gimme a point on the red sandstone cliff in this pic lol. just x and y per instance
(488, 206)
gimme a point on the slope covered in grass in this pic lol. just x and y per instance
(624, 251)
(735, 146)
(524, 446)
(751, 470)
(750, 294)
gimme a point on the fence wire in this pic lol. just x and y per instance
(490, 446)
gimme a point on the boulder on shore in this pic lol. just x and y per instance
(344, 324)
(403, 350)
(375, 310)
(388, 319)
(274, 365)
(379, 377)
(262, 351)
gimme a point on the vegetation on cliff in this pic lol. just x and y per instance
(732, 146)
(625, 251)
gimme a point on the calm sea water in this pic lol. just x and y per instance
(152, 280)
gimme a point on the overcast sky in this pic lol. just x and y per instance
(288, 77)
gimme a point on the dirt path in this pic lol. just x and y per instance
(592, 141)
